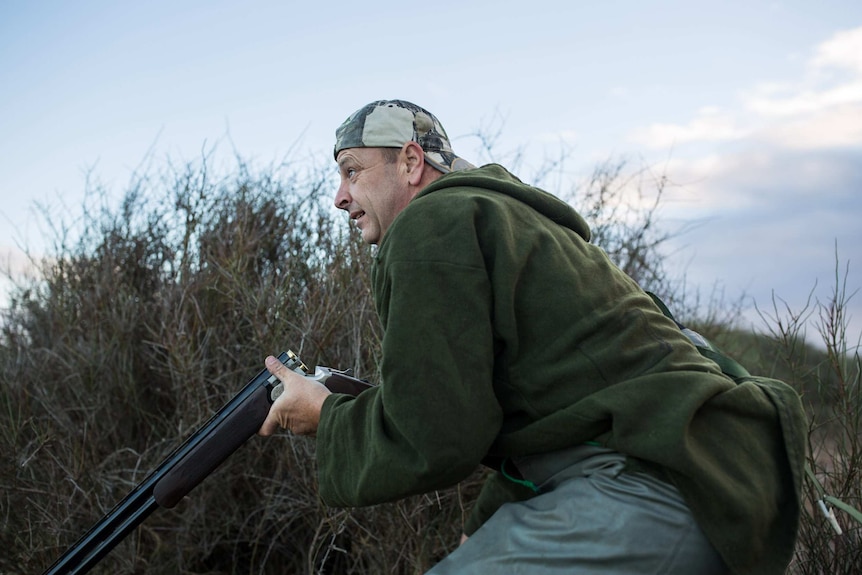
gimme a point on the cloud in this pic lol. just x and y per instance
(823, 109)
(710, 125)
(843, 50)
(772, 222)
(767, 101)
(801, 154)
(13, 261)
(833, 127)
(832, 78)
(774, 183)
(14, 266)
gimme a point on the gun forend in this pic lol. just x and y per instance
(210, 452)
(235, 426)
(225, 433)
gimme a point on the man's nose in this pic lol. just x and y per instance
(342, 197)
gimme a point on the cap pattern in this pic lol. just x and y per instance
(393, 123)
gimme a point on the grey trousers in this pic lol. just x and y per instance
(589, 517)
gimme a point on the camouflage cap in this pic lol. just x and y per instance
(393, 123)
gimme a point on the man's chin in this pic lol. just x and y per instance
(369, 237)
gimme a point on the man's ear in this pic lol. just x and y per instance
(414, 158)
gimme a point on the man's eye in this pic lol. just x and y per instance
(350, 172)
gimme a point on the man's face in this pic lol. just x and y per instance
(373, 190)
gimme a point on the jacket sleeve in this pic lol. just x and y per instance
(434, 415)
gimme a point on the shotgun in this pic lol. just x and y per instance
(194, 460)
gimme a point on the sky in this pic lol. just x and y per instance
(751, 109)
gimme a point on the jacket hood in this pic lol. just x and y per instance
(497, 178)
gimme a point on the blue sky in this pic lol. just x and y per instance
(753, 109)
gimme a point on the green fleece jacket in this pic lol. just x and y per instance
(506, 333)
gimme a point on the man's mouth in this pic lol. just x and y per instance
(356, 215)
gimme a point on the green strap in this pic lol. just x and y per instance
(728, 365)
(661, 306)
(513, 479)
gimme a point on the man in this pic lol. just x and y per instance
(510, 340)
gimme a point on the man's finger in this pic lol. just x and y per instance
(270, 425)
(266, 429)
(274, 366)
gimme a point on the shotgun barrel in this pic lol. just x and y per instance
(193, 461)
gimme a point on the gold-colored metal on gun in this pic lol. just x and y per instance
(293, 362)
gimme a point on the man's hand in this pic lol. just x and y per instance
(298, 407)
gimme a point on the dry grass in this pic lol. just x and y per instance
(147, 317)
(144, 326)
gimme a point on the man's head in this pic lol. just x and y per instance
(387, 152)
